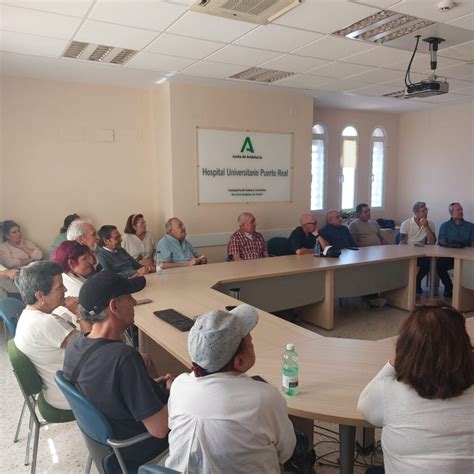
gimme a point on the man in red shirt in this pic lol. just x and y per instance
(246, 243)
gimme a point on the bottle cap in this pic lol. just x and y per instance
(290, 347)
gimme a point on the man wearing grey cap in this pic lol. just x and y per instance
(221, 420)
(115, 377)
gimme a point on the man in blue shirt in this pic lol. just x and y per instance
(335, 233)
(173, 250)
(455, 233)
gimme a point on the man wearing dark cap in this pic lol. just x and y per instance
(113, 376)
(221, 420)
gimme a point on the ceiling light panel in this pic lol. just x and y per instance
(277, 38)
(39, 23)
(258, 74)
(98, 53)
(182, 46)
(150, 15)
(210, 27)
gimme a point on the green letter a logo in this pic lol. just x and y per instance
(247, 145)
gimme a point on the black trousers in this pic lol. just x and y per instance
(423, 269)
(442, 266)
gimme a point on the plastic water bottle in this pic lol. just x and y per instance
(158, 262)
(317, 249)
(290, 371)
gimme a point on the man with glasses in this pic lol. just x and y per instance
(303, 238)
(418, 230)
(113, 257)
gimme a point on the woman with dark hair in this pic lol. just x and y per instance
(68, 220)
(137, 241)
(16, 252)
(77, 263)
(424, 396)
(44, 328)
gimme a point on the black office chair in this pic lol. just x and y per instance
(278, 247)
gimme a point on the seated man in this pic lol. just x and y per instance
(83, 232)
(364, 231)
(113, 257)
(221, 420)
(246, 243)
(303, 238)
(113, 376)
(418, 230)
(173, 250)
(335, 232)
(455, 233)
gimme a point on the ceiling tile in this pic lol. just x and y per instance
(380, 56)
(421, 63)
(325, 16)
(339, 70)
(292, 63)
(429, 9)
(466, 21)
(209, 69)
(158, 62)
(277, 38)
(457, 84)
(302, 81)
(31, 44)
(114, 35)
(176, 45)
(331, 47)
(72, 7)
(459, 71)
(378, 75)
(200, 25)
(149, 14)
(233, 54)
(37, 23)
(382, 4)
(343, 85)
(463, 52)
(466, 91)
(375, 90)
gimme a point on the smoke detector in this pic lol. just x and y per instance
(445, 6)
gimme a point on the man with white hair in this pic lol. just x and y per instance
(335, 232)
(222, 420)
(246, 243)
(83, 232)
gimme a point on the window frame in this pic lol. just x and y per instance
(356, 173)
(324, 138)
(384, 173)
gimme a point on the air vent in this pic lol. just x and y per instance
(252, 11)
(98, 53)
(259, 74)
(384, 26)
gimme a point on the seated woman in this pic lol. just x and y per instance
(137, 241)
(43, 332)
(77, 263)
(16, 252)
(68, 220)
(424, 396)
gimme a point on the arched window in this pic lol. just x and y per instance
(376, 178)
(318, 167)
(349, 150)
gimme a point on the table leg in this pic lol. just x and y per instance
(432, 277)
(346, 448)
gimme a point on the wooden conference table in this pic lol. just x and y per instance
(333, 371)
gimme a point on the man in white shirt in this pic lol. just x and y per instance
(221, 420)
(418, 230)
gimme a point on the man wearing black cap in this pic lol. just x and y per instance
(113, 376)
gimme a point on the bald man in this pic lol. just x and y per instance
(335, 232)
(246, 243)
(303, 238)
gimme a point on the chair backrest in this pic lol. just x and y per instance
(10, 310)
(24, 369)
(397, 238)
(279, 246)
(91, 421)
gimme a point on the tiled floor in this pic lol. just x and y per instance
(62, 450)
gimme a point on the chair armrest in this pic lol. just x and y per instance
(128, 442)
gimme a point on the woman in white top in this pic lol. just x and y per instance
(137, 241)
(424, 396)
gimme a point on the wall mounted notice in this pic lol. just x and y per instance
(235, 166)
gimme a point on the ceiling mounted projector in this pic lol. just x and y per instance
(432, 85)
